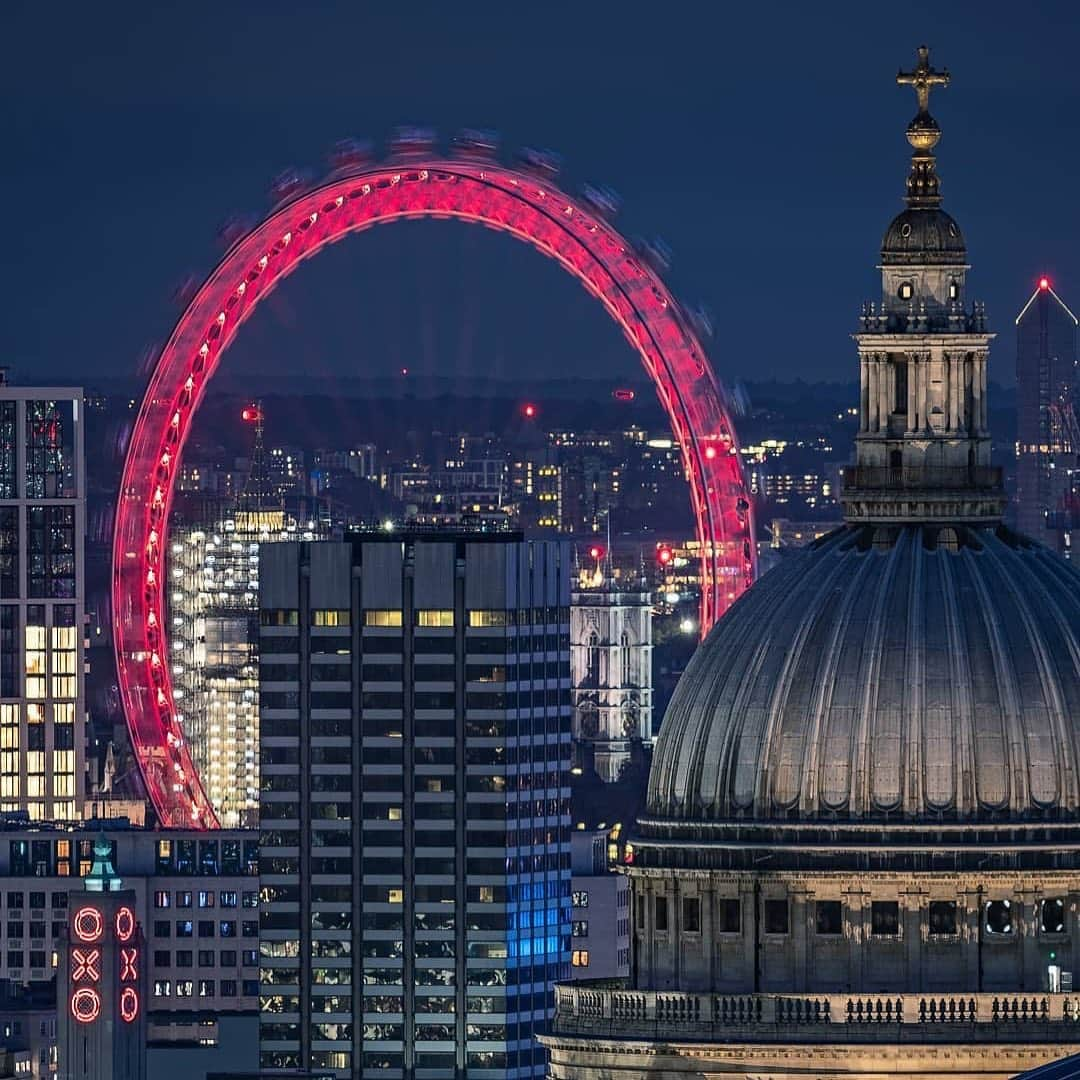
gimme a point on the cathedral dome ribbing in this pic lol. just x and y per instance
(934, 676)
(922, 236)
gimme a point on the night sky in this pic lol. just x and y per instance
(764, 142)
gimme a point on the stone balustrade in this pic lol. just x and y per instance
(612, 1010)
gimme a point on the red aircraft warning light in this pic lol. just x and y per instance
(623, 394)
(250, 414)
(529, 410)
(596, 551)
(1044, 283)
(664, 555)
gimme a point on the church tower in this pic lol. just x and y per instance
(923, 448)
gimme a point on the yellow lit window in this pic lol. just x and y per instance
(64, 712)
(63, 662)
(395, 896)
(63, 637)
(35, 637)
(434, 617)
(382, 617)
(488, 618)
(9, 785)
(35, 788)
(63, 686)
(63, 784)
(64, 761)
(580, 958)
(331, 617)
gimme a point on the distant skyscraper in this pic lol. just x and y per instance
(611, 667)
(1047, 436)
(42, 529)
(415, 714)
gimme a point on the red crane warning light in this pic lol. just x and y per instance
(250, 414)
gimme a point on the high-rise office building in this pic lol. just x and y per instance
(214, 612)
(1047, 401)
(42, 525)
(415, 756)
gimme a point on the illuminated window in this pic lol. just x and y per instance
(382, 617)
(330, 617)
(906, 290)
(434, 617)
(35, 662)
(580, 958)
(395, 896)
(954, 290)
(489, 618)
(9, 727)
(279, 617)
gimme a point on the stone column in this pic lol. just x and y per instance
(886, 390)
(925, 369)
(911, 363)
(872, 392)
(950, 391)
(977, 396)
(911, 904)
(985, 423)
(864, 383)
(801, 904)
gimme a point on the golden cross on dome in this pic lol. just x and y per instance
(924, 78)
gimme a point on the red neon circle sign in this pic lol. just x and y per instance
(88, 924)
(125, 923)
(129, 1004)
(533, 210)
(86, 1005)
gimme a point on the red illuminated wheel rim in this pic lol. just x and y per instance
(88, 924)
(125, 923)
(129, 1004)
(86, 1005)
(531, 209)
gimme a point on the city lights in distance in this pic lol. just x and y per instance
(688, 626)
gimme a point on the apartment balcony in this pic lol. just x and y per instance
(610, 1011)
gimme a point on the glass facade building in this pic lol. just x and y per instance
(415, 757)
(1047, 434)
(42, 525)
